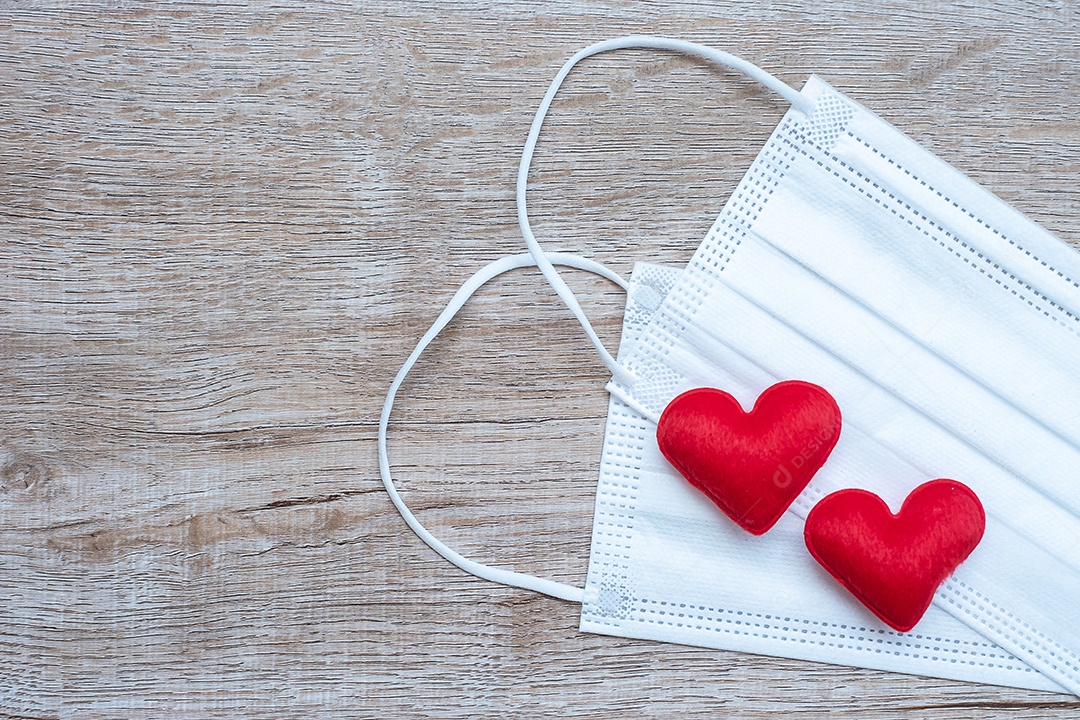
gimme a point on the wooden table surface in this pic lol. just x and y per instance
(223, 228)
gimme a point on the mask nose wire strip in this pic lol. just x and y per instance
(494, 574)
(719, 57)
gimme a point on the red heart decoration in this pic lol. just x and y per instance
(894, 563)
(751, 464)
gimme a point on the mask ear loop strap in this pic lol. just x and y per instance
(719, 57)
(494, 574)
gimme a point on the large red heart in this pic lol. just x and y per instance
(894, 563)
(752, 465)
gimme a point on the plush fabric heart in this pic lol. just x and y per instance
(894, 563)
(751, 464)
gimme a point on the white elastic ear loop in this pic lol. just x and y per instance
(506, 577)
(632, 41)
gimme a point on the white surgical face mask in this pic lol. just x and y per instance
(733, 590)
(945, 325)
(667, 564)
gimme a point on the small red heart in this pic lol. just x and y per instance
(894, 563)
(751, 464)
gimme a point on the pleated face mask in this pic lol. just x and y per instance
(944, 325)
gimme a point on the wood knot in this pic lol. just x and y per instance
(23, 471)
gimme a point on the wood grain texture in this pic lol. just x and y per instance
(222, 228)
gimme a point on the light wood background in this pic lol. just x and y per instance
(222, 229)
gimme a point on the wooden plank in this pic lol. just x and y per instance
(222, 229)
